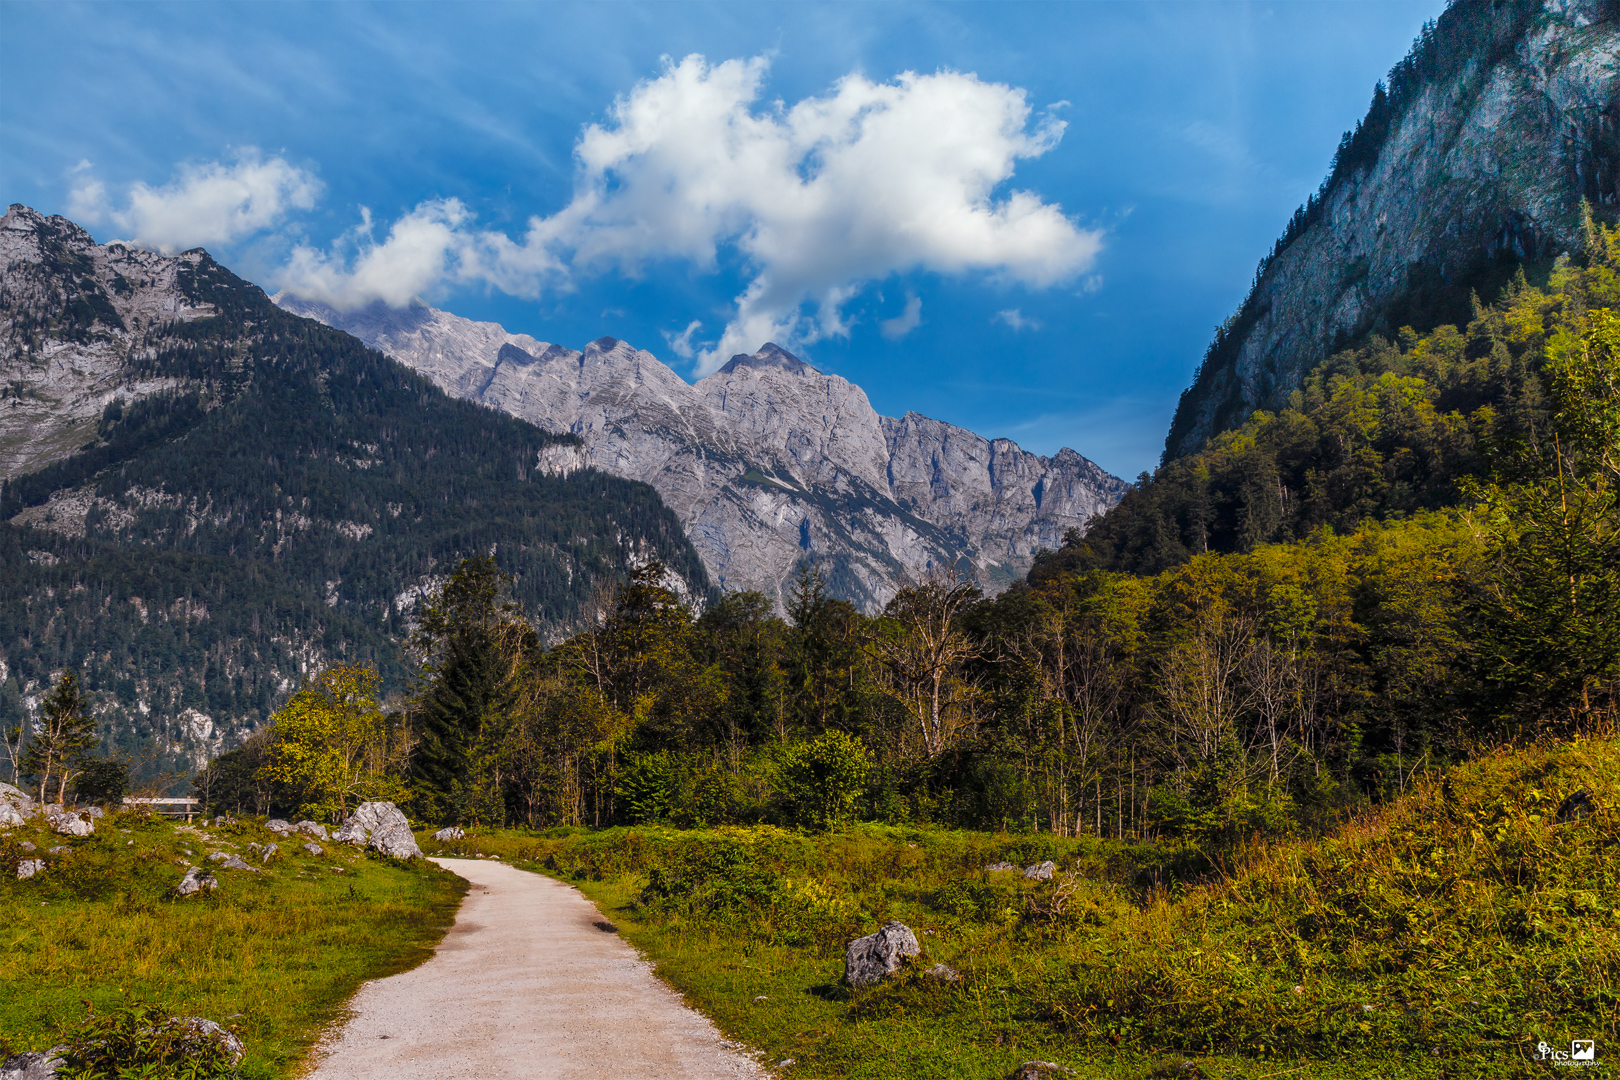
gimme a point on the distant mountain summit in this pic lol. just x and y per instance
(768, 462)
(1473, 160)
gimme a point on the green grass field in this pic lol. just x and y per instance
(273, 955)
(1443, 936)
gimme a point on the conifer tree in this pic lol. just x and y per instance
(65, 732)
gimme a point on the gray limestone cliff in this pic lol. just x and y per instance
(1475, 158)
(768, 462)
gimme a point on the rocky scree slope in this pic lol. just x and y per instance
(769, 463)
(1473, 160)
(220, 496)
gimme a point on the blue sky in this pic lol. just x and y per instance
(1031, 234)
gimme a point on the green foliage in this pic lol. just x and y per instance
(332, 746)
(143, 1042)
(102, 781)
(820, 780)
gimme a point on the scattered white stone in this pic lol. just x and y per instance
(454, 832)
(277, 825)
(314, 849)
(1041, 871)
(311, 829)
(999, 867)
(27, 868)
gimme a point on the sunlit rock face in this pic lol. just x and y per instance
(769, 463)
(1500, 123)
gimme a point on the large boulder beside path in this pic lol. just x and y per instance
(382, 827)
(874, 957)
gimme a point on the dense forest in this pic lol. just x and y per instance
(279, 510)
(1418, 560)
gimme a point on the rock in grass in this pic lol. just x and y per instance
(870, 959)
(200, 1033)
(34, 1065)
(27, 868)
(1041, 871)
(95, 812)
(231, 862)
(1038, 1070)
(279, 827)
(454, 832)
(944, 973)
(314, 849)
(27, 846)
(67, 823)
(382, 827)
(999, 867)
(311, 829)
(1577, 806)
(10, 816)
(196, 882)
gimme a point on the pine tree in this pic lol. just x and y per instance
(66, 731)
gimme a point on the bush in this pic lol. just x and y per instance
(102, 780)
(820, 780)
(144, 1041)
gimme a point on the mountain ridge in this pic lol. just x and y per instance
(230, 497)
(769, 462)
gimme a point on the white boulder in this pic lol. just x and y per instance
(870, 959)
(27, 868)
(196, 882)
(454, 832)
(381, 826)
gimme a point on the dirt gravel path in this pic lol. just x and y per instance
(527, 985)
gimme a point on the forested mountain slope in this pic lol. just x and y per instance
(223, 496)
(1381, 432)
(1473, 160)
(769, 463)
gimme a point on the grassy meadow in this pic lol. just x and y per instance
(272, 955)
(1443, 935)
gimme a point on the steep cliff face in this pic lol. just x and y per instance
(767, 462)
(1476, 158)
(73, 315)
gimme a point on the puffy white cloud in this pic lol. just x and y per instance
(904, 323)
(1017, 320)
(870, 180)
(820, 198)
(203, 205)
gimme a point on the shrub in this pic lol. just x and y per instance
(820, 780)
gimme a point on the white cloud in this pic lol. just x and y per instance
(904, 323)
(203, 205)
(1017, 320)
(819, 198)
(681, 343)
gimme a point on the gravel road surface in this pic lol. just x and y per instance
(527, 985)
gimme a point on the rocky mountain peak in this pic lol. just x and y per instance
(769, 463)
(770, 356)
